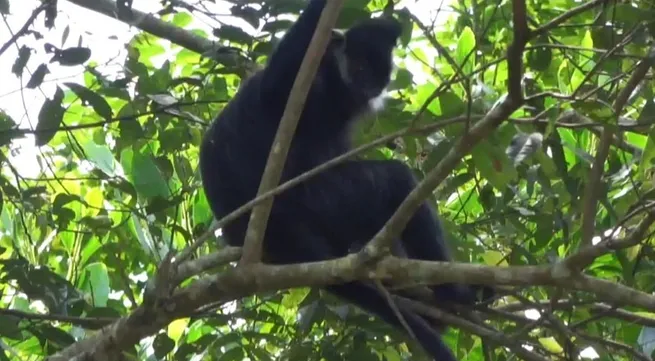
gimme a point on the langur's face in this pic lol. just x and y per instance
(367, 53)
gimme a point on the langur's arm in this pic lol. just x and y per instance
(284, 63)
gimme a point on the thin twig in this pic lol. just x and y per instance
(592, 191)
(394, 308)
(25, 27)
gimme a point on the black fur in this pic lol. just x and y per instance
(326, 216)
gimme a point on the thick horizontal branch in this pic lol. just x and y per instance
(240, 282)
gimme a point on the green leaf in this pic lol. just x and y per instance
(101, 156)
(550, 344)
(144, 175)
(9, 327)
(539, 59)
(233, 34)
(493, 164)
(183, 169)
(451, 104)
(129, 127)
(465, 56)
(201, 211)
(424, 92)
(350, 16)
(54, 335)
(403, 80)
(88, 96)
(63, 199)
(37, 77)
(233, 354)
(72, 56)
(586, 56)
(404, 16)
(98, 283)
(24, 54)
(182, 19)
(50, 117)
(163, 345)
(277, 26)
(8, 129)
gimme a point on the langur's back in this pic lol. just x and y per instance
(235, 147)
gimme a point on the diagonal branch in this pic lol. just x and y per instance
(567, 15)
(381, 242)
(153, 25)
(588, 253)
(23, 30)
(592, 191)
(252, 248)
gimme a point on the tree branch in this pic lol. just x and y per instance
(590, 197)
(243, 281)
(153, 25)
(25, 27)
(588, 253)
(252, 248)
(381, 242)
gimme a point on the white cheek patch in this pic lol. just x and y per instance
(376, 104)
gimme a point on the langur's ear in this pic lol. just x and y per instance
(383, 31)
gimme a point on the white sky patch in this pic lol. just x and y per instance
(105, 37)
(612, 233)
(532, 314)
(589, 353)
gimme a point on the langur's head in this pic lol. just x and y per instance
(364, 55)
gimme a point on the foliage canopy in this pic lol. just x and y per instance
(113, 186)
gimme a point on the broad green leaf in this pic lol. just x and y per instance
(50, 117)
(144, 174)
(587, 55)
(466, 51)
(88, 96)
(493, 164)
(424, 93)
(176, 328)
(162, 345)
(98, 283)
(182, 19)
(551, 344)
(72, 56)
(101, 156)
(37, 77)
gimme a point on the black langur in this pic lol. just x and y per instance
(324, 217)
